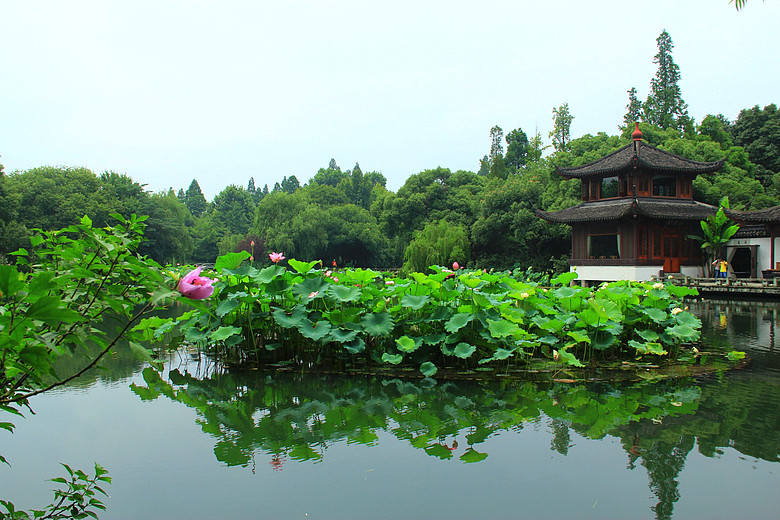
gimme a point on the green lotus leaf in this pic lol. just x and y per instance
(407, 344)
(414, 302)
(356, 346)
(226, 306)
(648, 335)
(458, 321)
(223, 333)
(230, 260)
(392, 358)
(342, 293)
(464, 350)
(657, 315)
(314, 332)
(563, 278)
(683, 332)
(302, 267)
(341, 335)
(578, 336)
(378, 323)
(501, 328)
(569, 358)
(268, 274)
(289, 321)
(471, 455)
(428, 369)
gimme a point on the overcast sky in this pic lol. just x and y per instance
(221, 91)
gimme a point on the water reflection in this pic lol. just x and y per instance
(269, 422)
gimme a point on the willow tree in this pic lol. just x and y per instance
(439, 243)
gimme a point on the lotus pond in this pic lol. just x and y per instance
(203, 442)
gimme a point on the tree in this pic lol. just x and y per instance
(496, 163)
(234, 210)
(758, 131)
(561, 132)
(717, 230)
(664, 106)
(290, 184)
(194, 199)
(439, 243)
(633, 108)
(516, 149)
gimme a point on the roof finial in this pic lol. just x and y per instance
(636, 135)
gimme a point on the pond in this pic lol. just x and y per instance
(208, 444)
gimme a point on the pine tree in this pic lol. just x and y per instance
(561, 133)
(194, 199)
(664, 106)
(634, 108)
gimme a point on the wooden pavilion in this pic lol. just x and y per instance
(636, 213)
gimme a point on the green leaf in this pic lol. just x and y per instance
(683, 332)
(223, 333)
(648, 335)
(471, 455)
(414, 302)
(268, 274)
(377, 324)
(343, 293)
(657, 315)
(458, 321)
(407, 344)
(141, 353)
(289, 321)
(226, 306)
(501, 328)
(230, 260)
(392, 358)
(302, 267)
(342, 336)
(578, 336)
(569, 358)
(563, 278)
(464, 350)
(735, 355)
(50, 309)
(316, 332)
(428, 369)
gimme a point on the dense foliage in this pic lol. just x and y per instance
(312, 316)
(351, 217)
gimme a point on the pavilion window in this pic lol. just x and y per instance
(609, 187)
(604, 246)
(664, 187)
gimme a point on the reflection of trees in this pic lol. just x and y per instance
(287, 416)
(296, 416)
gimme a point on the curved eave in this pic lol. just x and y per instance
(761, 216)
(647, 156)
(620, 209)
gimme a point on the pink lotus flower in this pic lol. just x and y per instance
(276, 257)
(194, 286)
(335, 279)
(455, 266)
(389, 282)
(313, 294)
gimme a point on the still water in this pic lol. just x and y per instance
(204, 444)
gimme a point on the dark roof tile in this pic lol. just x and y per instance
(643, 155)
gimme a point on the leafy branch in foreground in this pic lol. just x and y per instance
(78, 498)
(77, 288)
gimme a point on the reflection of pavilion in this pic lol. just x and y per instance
(636, 214)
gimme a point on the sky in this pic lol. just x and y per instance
(221, 91)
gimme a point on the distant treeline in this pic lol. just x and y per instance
(480, 219)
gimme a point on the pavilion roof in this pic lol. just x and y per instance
(637, 154)
(759, 216)
(619, 209)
